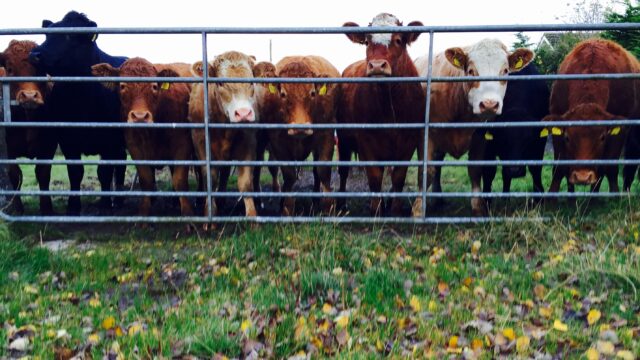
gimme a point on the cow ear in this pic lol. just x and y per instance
(519, 59)
(2, 72)
(197, 70)
(324, 88)
(166, 73)
(412, 36)
(46, 23)
(358, 38)
(105, 70)
(457, 57)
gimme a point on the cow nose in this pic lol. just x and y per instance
(29, 98)
(140, 116)
(378, 68)
(583, 177)
(516, 171)
(244, 115)
(489, 106)
(34, 57)
(300, 133)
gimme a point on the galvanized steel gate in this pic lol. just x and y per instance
(6, 190)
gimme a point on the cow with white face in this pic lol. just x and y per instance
(228, 103)
(473, 101)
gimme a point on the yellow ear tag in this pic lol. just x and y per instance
(95, 36)
(544, 133)
(615, 130)
(456, 62)
(519, 63)
(272, 89)
(323, 90)
(165, 86)
(488, 136)
(556, 131)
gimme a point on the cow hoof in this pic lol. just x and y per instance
(416, 209)
(209, 227)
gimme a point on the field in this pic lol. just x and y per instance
(562, 288)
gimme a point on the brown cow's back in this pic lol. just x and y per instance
(183, 69)
(317, 64)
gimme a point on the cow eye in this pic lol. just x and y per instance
(9, 71)
(566, 137)
(123, 87)
(505, 71)
(603, 137)
(471, 72)
(154, 87)
(312, 93)
(366, 42)
(283, 94)
(398, 41)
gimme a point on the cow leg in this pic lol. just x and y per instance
(261, 146)
(43, 176)
(147, 178)
(289, 176)
(180, 182)
(488, 175)
(245, 184)
(433, 178)
(611, 173)
(536, 176)
(15, 176)
(344, 154)
(224, 173)
(323, 173)
(476, 153)
(374, 176)
(75, 173)
(105, 177)
(398, 178)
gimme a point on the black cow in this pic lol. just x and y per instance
(73, 55)
(524, 101)
(631, 152)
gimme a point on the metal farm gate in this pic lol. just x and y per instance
(6, 191)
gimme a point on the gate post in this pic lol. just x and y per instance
(5, 183)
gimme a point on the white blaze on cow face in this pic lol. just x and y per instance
(237, 100)
(384, 19)
(488, 57)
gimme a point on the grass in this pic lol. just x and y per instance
(346, 292)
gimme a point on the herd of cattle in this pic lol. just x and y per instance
(313, 103)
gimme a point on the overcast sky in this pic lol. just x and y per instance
(274, 13)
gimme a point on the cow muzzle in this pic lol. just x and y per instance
(583, 177)
(243, 115)
(489, 107)
(29, 99)
(378, 68)
(140, 117)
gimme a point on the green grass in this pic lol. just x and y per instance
(280, 289)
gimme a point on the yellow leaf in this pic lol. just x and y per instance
(337, 271)
(467, 281)
(560, 326)
(316, 342)
(108, 323)
(509, 334)
(134, 329)
(51, 334)
(538, 275)
(606, 348)
(324, 326)
(327, 308)
(341, 321)
(93, 339)
(453, 342)
(545, 312)
(475, 247)
(443, 288)
(539, 290)
(119, 331)
(593, 316)
(415, 304)
(30, 289)
(625, 355)
(379, 345)
(476, 344)
(433, 306)
(246, 324)
(522, 344)
(592, 354)
(94, 303)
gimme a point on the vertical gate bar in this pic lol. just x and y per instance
(5, 183)
(6, 101)
(207, 140)
(426, 127)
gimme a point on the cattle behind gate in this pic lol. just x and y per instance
(154, 103)
(73, 55)
(379, 103)
(592, 100)
(454, 102)
(28, 142)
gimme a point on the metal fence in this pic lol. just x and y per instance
(7, 191)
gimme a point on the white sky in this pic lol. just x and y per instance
(274, 13)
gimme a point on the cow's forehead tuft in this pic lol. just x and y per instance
(488, 52)
(385, 19)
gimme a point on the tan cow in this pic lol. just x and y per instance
(301, 104)
(231, 103)
(475, 101)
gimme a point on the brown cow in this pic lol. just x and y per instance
(228, 103)
(467, 102)
(301, 103)
(376, 103)
(27, 142)
(154, 103)
(592, 100)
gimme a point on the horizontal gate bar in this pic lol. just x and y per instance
(321, 30)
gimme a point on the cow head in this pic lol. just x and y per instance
(237, 100)
(584, 142)
(139, 101)
(488, 57)
(15, 59)
(66, 54)
(386, 53)
(299, 102)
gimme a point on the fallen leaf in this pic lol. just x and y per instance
(341, 321)
(343, 337)
(560, 326)
(93, 339)
(246, 324)
(593, 316)
(475, 247)
(540, 291)
(19, 344)
(443, 289)
(337, 271)
(625, 355)
(109, 323)
(592, 354)
(509, 334)
(414, 302)
(605, 347)
(522, 344)
(545, 312)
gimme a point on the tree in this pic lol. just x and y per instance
(522, 41)
(629, 39)
(586, 12)
(549, 56)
